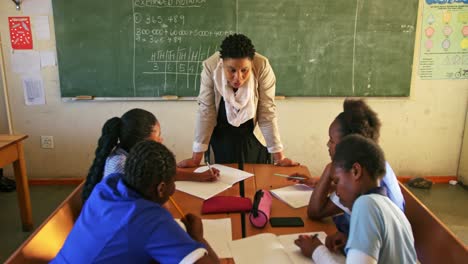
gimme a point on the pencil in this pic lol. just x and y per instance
(177, 206)
(287, 176)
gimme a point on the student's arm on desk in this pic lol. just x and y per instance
(322, 255)
(194, 228)
(320, 205)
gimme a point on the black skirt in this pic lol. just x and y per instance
(231, 144)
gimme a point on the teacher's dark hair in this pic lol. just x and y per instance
(237, 46)
(358, 118)
(134, 126)
(148, 164)
(358, 149)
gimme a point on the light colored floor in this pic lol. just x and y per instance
(447, 202)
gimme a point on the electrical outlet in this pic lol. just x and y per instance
(47, 142)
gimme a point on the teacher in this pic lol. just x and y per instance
(237, 91)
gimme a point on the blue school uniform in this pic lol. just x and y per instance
(117, 225)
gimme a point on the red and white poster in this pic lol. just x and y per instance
(20, 33)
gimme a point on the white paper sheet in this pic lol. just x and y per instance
(263, 248)
(25, 61)
(33, 89)
(41, 27)
(218, 233)
(296, 196)
(48, 58)
(294, 251)
(227, 174)
(269, 248)
(205, 190)
(36, 7)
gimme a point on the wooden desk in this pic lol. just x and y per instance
(191, 204)
(44, 244)
(11, 151)
(434, 242)
(264, 179)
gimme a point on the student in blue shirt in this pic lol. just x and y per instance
(357, 118)
(119, 135)
(124, 221)
(379, 230)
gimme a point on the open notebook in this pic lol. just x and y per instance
(269, 248)
(296, 196)
(227, 177)
(218, 233)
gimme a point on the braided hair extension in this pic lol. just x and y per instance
(134, 126)
(358, 118)
(106, 143)
(237, 46)
(148, 164)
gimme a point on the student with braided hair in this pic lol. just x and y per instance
(357, 118)
(119, 135)
(124, 220)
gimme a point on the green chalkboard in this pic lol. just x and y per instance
(152, 48)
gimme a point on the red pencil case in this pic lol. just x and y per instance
(226, 204)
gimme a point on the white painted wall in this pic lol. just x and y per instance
(421, 134)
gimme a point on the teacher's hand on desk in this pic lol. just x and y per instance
(280, 160)
(191, 162)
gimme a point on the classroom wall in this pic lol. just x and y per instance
(421, 134)
(463, 166)
(3, 116)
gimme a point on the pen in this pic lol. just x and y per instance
(176, 206)
(209, 167)
(287, 176)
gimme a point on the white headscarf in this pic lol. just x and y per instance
(240, 106)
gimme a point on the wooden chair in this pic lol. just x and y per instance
(47, 240)
(433, 241)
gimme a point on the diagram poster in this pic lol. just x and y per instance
(20, 33)
(444, 40)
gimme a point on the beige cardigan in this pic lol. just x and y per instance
(209, 99)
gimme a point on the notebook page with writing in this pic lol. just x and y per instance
(259, 249)
(294, 252)
(296, 196)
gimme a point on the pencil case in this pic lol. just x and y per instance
(226, 204)
(261, 208)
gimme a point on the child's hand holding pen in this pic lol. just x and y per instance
(307, 244)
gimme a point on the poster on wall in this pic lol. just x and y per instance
(444, 40)
(20, 33)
